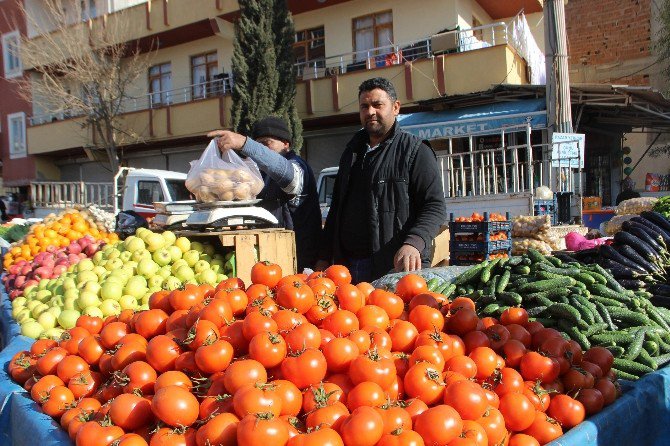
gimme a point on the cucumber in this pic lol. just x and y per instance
(491, 286)
(616, 337)
(491, 309)
(636, 346)
(662, 359)
(617, 351)
(503, 282)
(544, 285)
(632, 367)
(522, 269)
(471, 274)
(549, 323)
(549, 294)
(487, 270)
(645, 358)
(604, 313)
(510, 298)
(434, 283)
(655, 316)
(584, 312)
(602, 290)
(565, 312)
(607, 301)
(536, 311)
(449, 290)
(535, 256)
(630, 317)
(595, 329)
(515, 260)
(620, 374)
(611, 281)
(597, 277)
(554, 261)
(651, 347)
(574, 334)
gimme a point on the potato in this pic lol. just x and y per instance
(242, 175)
(242, 191)
(227, 196)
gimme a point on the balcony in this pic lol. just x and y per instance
(455, 62)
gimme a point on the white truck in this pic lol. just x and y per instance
(132, 189)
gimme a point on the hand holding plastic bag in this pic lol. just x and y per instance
(223, 177)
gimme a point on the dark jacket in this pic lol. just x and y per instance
(405, 199)
(300, 213)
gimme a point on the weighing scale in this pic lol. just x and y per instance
(230, 214)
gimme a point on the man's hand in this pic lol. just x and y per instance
(228, 140)
(321, 265)
(408, 258)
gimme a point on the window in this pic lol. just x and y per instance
(177, 190)
(372, 31)
(477, 33)
(310, 49)
(160, 83)
(204, 68)
(16, 123)
(148, 192)
(11, 45)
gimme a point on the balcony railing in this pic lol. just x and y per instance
(447, 42)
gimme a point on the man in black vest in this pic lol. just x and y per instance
(290, 188)
(388, 202)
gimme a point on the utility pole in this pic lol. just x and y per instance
(559, 113)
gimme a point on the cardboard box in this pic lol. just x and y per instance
(592, 203)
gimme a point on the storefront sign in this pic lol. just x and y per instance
(568, 150)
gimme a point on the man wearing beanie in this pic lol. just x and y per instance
(290, 188)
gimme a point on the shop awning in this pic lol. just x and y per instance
(475, 120)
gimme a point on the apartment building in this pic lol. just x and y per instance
(429, 49)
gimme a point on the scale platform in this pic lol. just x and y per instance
(170, 221)
(232, 214)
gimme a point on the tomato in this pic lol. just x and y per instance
(214, 357)
(305, 368)
(217, 311)
(485, 360)
(84, 384)
(331, 415)
(428, 299)
(371, 367)
(41, 346)
(161, 300)
(128, 353)
(541, 335)
(462, 321)
(176, 320)
(296, 296)
(601, 357)
(498, 335)
(162, 352)
(475, 339)
(92, 433)
(574, 379)
(592, 368)
(244, 371)
(291, 398)
(365, 394)
(507, 380)
(287, 320)
(215, 404)
(514, 315)
(592, 400)
(426, 318)
(173, 437)
(234, 333)
(403, 336)
(91, 324)
(338, 274)
(438, 425)
(423, 381)
(234, 283)
(151, 323)
(323, 437)
(183, 299)
(364, 427)
(443, 341)
(267, 348)
(537, 395)
(566, 410)
(257, 398)
(303, 336)
(427, 353)
(130, 411)
(341, 323)
(350, 298)
(57, 401)
(465, 365)
(389, 302)
(401, 438)
(339, 354)
(373, 316)
(520, 334)
(258, 322)
(494, 425)
(411, 285)
(43, 385)
(131, 440)
(173, 378)
(523, 440)
(394, 418)
(513, 351)
(175, 406)
(48, 363)
(544, 429)
(607, 389)
(468, 398)
(200, 333)
(517, 410)
(238, 300)
(534, 367)
(266, 273)
(362, 340)
(323, 306)
(262, 429)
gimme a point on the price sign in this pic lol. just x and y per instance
(568, 150)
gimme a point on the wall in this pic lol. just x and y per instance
(609, 41)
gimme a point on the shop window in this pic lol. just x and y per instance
(160, 83)
(371, 32)
(16, 123)
(11, 45)
(148, 192)
(309, 50)
(204, 70)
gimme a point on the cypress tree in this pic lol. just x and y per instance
(263, 66)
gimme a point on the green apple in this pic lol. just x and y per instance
(47, 320)
(92, 286)
(141, 254)
(197, 246)
(175, 253)
(111, 290)
(221, 277)
(147, 296)
(85, 276)
(154, 242)
(20, 301)
(200, 266)
(56, 302)
(113, 254)
(169, 238)
(165, 272)
(134, 243)
(30, 288)
(93, 311)
(206, 258)
(191, 257)
(132, 265)
(155, 281)
(172, 283)
(70, 303)
(43, 295)
(184, 273)
(68, 318)
(54, 310)
(99, 270)
(176, 265)
(147, 268)
(39, 309)
(43, 284)
(55, 333)
(162, 257)
(207, 276)
(85, 265)
(210, 250)
(32, 304)
(136, 286)
(183, 243)
(23, 315)
(98, 257)
(32, 329)
(110, 307)
(128, 302)
(87, 299)
(113, 264)
(126, 255)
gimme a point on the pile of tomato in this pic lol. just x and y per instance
(313, 360)
(477, 217)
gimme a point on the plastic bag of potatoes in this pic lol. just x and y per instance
(223, 177)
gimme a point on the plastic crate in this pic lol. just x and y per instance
(546, 207)
(479, 227)
(479, 247)
(454, 261)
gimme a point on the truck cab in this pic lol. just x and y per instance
(325, 185)
(143, 187)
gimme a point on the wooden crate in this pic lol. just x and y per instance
(273, 244)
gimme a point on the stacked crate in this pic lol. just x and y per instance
(546, 207)
(473, 242)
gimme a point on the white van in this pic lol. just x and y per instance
(325, 184)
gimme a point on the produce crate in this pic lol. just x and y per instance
(474, 239)
(546, 207)
(482, 227)
(461, 258)
(483, 247)
(273, 244)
